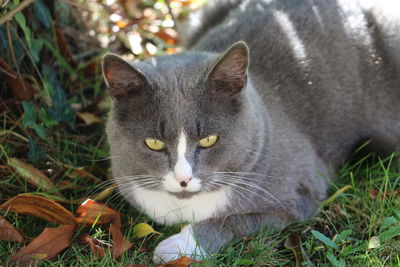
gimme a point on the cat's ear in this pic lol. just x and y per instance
(229, 74)
(122, 78)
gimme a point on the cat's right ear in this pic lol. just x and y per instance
(229, 74)
(122, 78)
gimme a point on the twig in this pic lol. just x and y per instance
(14, 58)
(9, 15)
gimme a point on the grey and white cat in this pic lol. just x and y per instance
(237, 134)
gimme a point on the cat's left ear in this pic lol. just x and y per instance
(229, 74)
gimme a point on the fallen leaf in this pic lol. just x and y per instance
(374, 242)
(91, 212)
(88, 118)
(293, 242)
(96, 247)
(143, 229)
(374, 194)
(31, 174)
(122, 24)
(63, 46)
(120, 243)
(169, 36)
(8, 232)
(171, 50)
(38, 206)
(45, 246)
(20, 88)
(181, 262)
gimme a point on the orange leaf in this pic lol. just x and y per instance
(8, 232)
(122, 24)
(38, 206)
(171, 50)
(95, 246)
(181, 262)
(91, 212)
(120, 243)
(169, 36)
(45, 246)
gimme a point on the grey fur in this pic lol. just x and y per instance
(305, 108)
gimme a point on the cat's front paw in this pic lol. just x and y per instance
(182, 244)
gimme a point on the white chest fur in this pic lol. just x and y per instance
(168, 209)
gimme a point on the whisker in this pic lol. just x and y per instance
(238, 181)
(243, 188)
(256, 174)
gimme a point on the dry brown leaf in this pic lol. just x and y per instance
(8, 232)
(96, 247)
(169, 36)
(293, 242)
(45, 246)
(181, 262)
(19, 87)
(374, 194)
(88, 118)
(120, 243)
(38, 206)
(90, 212)
(31, 174)
(63, 46)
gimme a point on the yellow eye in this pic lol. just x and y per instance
(208, 141)
(154, 144)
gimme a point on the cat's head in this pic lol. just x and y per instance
(178, 120)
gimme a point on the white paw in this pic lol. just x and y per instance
(176, 246)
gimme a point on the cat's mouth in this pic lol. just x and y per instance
(183, 194)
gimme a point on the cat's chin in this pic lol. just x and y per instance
(184, 194)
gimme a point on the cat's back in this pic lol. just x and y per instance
(333, 66)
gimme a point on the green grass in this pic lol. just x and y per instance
(349, 221)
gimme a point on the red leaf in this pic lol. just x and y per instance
(8, 232)
(38, 206)
(46, 246)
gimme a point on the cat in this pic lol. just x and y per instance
(243, 130)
